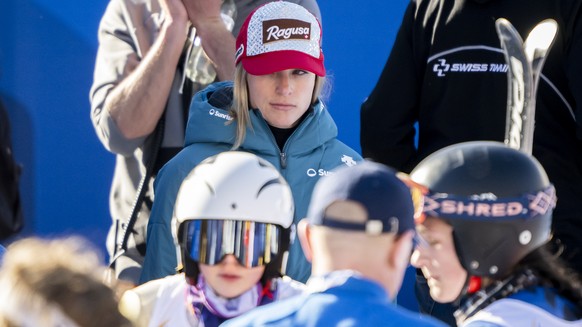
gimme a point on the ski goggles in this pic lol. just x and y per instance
(253, 244)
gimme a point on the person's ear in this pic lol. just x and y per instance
(304, 235)
(401, 249)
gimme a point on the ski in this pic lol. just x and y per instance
(524, 65)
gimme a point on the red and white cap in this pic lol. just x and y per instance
(277, 36)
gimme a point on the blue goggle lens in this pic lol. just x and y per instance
(252, 243)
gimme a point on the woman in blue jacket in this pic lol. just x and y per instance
(272, 109)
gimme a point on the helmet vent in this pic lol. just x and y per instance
(210, 188)
(271, 182)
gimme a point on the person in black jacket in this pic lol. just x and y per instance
(447, 73)
(10, 207)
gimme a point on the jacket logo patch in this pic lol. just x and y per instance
(285, 29)
(443, 67)
(312, 172)
(217, 113)
(348, 161)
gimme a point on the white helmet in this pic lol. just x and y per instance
(233, 203)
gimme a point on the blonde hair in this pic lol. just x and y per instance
(240, 104)
(54, 282)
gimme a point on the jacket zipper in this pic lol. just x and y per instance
(283, 158)
(282, 154)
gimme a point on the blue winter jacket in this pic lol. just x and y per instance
(309, 153)
(356, 302)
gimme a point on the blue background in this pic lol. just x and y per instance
(47, 53)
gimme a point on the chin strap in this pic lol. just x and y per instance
(497, 290)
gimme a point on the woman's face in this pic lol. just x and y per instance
(282, 97)
(438, 260)
(229, 279)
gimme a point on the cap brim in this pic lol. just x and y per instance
(271, 62)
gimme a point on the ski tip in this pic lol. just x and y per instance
(543, 33)
(504, 24)
(540, 39)
(502, 21)
(508, 35)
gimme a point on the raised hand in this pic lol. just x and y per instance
(203, 12)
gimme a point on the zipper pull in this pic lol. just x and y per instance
(283, 160)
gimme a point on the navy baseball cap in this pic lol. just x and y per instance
(376, 187)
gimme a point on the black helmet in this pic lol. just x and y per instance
(498, 200)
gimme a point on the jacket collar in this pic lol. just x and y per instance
(209, 124)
